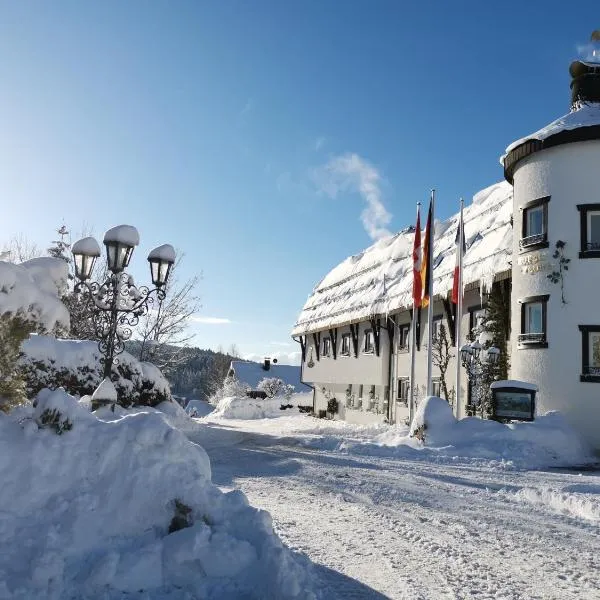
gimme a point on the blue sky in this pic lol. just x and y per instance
(253, 135)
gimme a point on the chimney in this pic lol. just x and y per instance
(267, 364)
(585, 74)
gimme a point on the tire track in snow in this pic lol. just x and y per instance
(416, 530)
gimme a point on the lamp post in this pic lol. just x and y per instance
(117, 303)
(474, 358)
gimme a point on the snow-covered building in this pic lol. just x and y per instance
(252, 373)
(535, 236)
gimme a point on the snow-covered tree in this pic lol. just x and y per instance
(61, 248)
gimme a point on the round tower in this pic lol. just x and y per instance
(555, 302)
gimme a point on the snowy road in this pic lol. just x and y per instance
(418, 529)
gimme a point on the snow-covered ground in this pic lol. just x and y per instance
(384, 517)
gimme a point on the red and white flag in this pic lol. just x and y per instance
(417, 262)
(460, 252)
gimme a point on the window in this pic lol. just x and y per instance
(403, 389)
(535, 225)
(435, 325)
(590, 230)
(346, 344)
(326, 349)
(403, 338)
(436, 387)
(368, 347)
(360, 390)
(476, 315)
(590, 355)
(533, 322)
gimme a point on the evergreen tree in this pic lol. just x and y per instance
(61, 247)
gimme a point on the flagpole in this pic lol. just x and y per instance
(413, 330)
(429, 258)
(459, 306)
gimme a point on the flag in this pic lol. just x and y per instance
(460, 252)
(426, 262)
(417, 260)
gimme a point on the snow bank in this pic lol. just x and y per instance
(547, 441)
(582, 502)
(242, 407)
(75, 365)
(31, 291)
(87, 514)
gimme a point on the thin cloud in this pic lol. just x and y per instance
(319, 143)
(211, 320)
(247, 107)
(352, 173)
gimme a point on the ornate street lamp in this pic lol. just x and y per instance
(117, 303)
(474, 358)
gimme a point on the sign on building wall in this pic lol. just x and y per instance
(513, 402)
(534, 262)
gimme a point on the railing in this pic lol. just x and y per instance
(589, 370)
(531, 338)
(593, 245)
(532, 240)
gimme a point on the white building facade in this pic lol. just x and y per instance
(537, 235)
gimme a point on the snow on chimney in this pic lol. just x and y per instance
(267, 363)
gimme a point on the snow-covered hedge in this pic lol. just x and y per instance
(74, 365)
(236, 407)
(124, 508)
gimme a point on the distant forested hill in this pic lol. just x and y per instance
(198, 372)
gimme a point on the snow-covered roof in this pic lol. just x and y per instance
(252, 373)
(586, 115)
(513, 383)
(125, 234)
(378, 281)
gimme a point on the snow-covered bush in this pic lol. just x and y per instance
(273, 386)
(231, 387)
(28, 302)
(74, 365)
(270, 385)
(90, 513)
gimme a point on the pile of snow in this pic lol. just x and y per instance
(547, 441)
(31, 291)
(75, 365)
(242, 407)
(87, 514)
